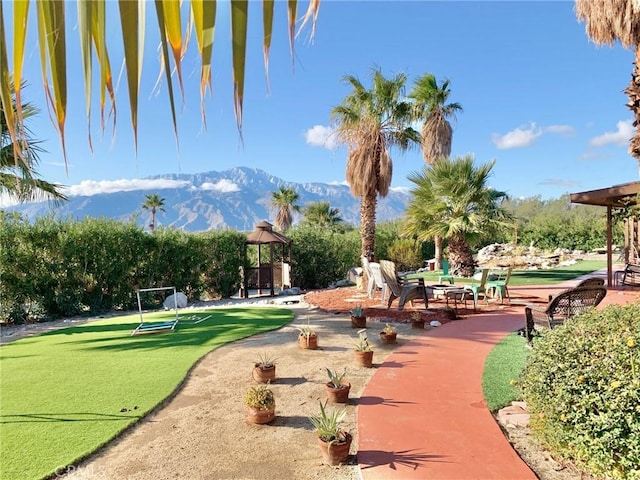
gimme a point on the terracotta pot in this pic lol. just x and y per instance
(388, 338)
(364, 359)
(417, 323)
(256, 415)
(358, 322)
(308, 342)
(338, 395)
(335, 453)
(264, 374)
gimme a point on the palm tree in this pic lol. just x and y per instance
(608, 21)
(153, 203)
(285, 201)
(18, 175)
(369, 122)
(321, 214)
(452, 199)
(93, 25)
(431, 107)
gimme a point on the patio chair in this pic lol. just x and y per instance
(562, 307)
(479, 288)
(499, 285)
(445, 274)
(374, 278)
(405, 291)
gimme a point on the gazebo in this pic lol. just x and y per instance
(275, 273)
(617, 196)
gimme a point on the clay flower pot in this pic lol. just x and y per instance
(309, 342)
(262, 374)
(338, 395)
(364, 359)
(335, 453)
(260, 416)
(358, 322)
(388, 338)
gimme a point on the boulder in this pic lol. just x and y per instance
(180, 299)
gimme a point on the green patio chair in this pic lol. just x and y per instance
(498, 287)
(480, 288)
(445, 274)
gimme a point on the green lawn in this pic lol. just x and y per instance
(502, 371)
(68, 392)
(536, 277)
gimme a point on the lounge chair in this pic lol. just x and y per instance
(562, 307)
(400, 288)
(374, 278)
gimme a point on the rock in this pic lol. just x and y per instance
(180, 300)
(291, 291)
(435, 323)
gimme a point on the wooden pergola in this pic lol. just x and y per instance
(617, 196)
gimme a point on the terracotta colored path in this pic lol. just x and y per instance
(423, 416)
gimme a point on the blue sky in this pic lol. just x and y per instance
(538, 97)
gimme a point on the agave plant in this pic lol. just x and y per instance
(327, 424)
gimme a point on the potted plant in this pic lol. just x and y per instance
(388, 334)
(261, 405)
(307, 338)
(358, 318)
(264, 368)
(334, 442)
(364, 354)
(337, 388)
(416, 320)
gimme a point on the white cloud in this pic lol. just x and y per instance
(619, 137)
(342, 182)
(321, 136)
(224, 186)
(566, 130)
(518, 138)
(525, 136)
(92, 187)
(405, 190)
(559, 182)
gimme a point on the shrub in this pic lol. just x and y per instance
(582, 383)
(406, 253)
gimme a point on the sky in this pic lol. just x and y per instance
(538, 97)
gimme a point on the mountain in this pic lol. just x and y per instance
(237, 198)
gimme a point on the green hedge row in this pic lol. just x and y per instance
(582, 387)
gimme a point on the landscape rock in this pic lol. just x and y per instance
(180, 299)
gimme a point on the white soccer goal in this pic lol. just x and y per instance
(155, 327)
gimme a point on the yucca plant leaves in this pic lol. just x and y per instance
(132, 20)
(267, 25)
(204, 18)
(239, 12)
(92, 36)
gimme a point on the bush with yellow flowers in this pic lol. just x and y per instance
(582, 387)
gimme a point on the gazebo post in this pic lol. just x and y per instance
(609, 246)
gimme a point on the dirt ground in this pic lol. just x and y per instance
(201, 432)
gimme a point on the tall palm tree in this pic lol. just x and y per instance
(92, 27)
(154, 204)
(608, 21)
(321, 214)
(431, 107)
(18, 175)
(452, 199)
(369, 122)
(285, 201)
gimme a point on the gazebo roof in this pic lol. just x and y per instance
(615, 196)
(264, 234)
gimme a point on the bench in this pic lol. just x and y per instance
(630, 276)
(562, 307)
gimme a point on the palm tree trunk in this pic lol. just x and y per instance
(438, 254)
(460, 257)
(368, 224)
(633, 92)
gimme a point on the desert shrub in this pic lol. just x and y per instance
(582, 386)
(406, 253)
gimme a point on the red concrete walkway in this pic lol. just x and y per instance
(423, 416)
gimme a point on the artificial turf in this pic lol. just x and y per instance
(502, 370)
(66, 393)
